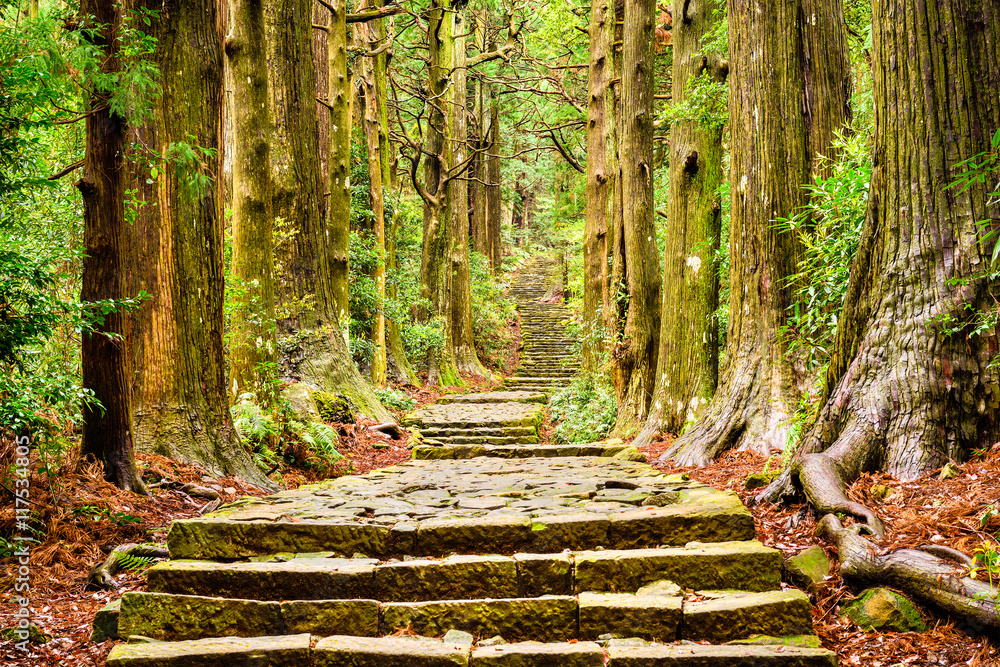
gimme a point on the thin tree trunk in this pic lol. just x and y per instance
(338, 222)
(493, 203)
(181, 409)
(774, 131)
(373, 136)
(107, 431)
(602, 174)
(635, 354)
(321, 71)
(466, 358)
(436, 275)
(903, 393)
(253, 339)
(688, 367)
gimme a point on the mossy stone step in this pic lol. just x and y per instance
(472, 432)
(444, 452)
(495, 397)
(484, 439)
(459, 415)
(287, 651)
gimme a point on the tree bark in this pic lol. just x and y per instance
(774, 131)
(253, 337)
(107, 430)
(181, 409)
(466, 358)
(493, 192)
(688, 366)
(372, 81)
(602, 174)
(635, 354)
(338, 223)
(911, 384)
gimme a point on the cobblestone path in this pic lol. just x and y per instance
(487, 549)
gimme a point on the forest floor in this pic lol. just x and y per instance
(925, 511)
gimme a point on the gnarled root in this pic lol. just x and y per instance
(822, 481)
(939, 578)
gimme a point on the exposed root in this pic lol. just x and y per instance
(822, 480)
(922, 573)
(102, 575)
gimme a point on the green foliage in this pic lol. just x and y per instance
(131, 563)
(493, 310)
(706, 101)
(986, 568)
(250, 421)
(272, 434)
(395, 399)
(829, 228)
(585, 410)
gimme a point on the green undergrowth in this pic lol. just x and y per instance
(584, 411)
(275, 438)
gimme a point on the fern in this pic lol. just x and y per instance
(251, 422)
(322, 439)
(132, 563)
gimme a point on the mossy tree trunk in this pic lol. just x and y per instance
(373, 83)
(493, 192)
(781, 110)
(688, 365)
(338, 212)
(253, 337)
(107, 430)
(181, 409)
(911, 383)
(602, 174)
(466, 358)
(635, 353)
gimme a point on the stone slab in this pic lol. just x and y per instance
(544, 574)
(659, 655)
(184, 617)
(748, 566)
(550, 618)
(738, 616)
(495, 397)
(288, 651)
(388, 652)
(322, 618)
(536, 654)
(460, 415)
(454, 578)
(654, 617)
(298, 579)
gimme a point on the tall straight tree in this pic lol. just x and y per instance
(634, 356)
(688, 365)
(253, 340)
(602, 174)
(339, 87)
(107, 430)
(181, 409)
(314, 300)
(466, 358)
(912, 383)
(786, 101)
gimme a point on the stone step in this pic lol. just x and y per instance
(349, 651)
(475, 415)
(732, 565)
(484, 431)
(498, 440)
(437, 452)
(495, 397)
(549, 618)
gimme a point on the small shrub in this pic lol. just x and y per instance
(585, 411)
(395, 399)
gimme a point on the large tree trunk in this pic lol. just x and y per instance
(602, 174)
(312, 294)
(774, 130)
(466, 358)
(339, 103)
(253, 337)
(688, 366)
(911, 383)
(634, 364)
(181, 409)
(304, 287)
(107, 430)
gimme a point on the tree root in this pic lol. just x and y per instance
(822, 480)
(937, 576)
(102, 575)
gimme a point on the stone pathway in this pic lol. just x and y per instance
(487, 549)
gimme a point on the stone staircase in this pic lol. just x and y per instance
(549, 358)
(487, 549)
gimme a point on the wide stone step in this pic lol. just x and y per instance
(743, 566)
(349, 651)
(494, 397)
(497, 440)
(438, 452)
(549, 618)
(461, 415)
(482, 431)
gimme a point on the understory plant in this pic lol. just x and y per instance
(585, 410)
